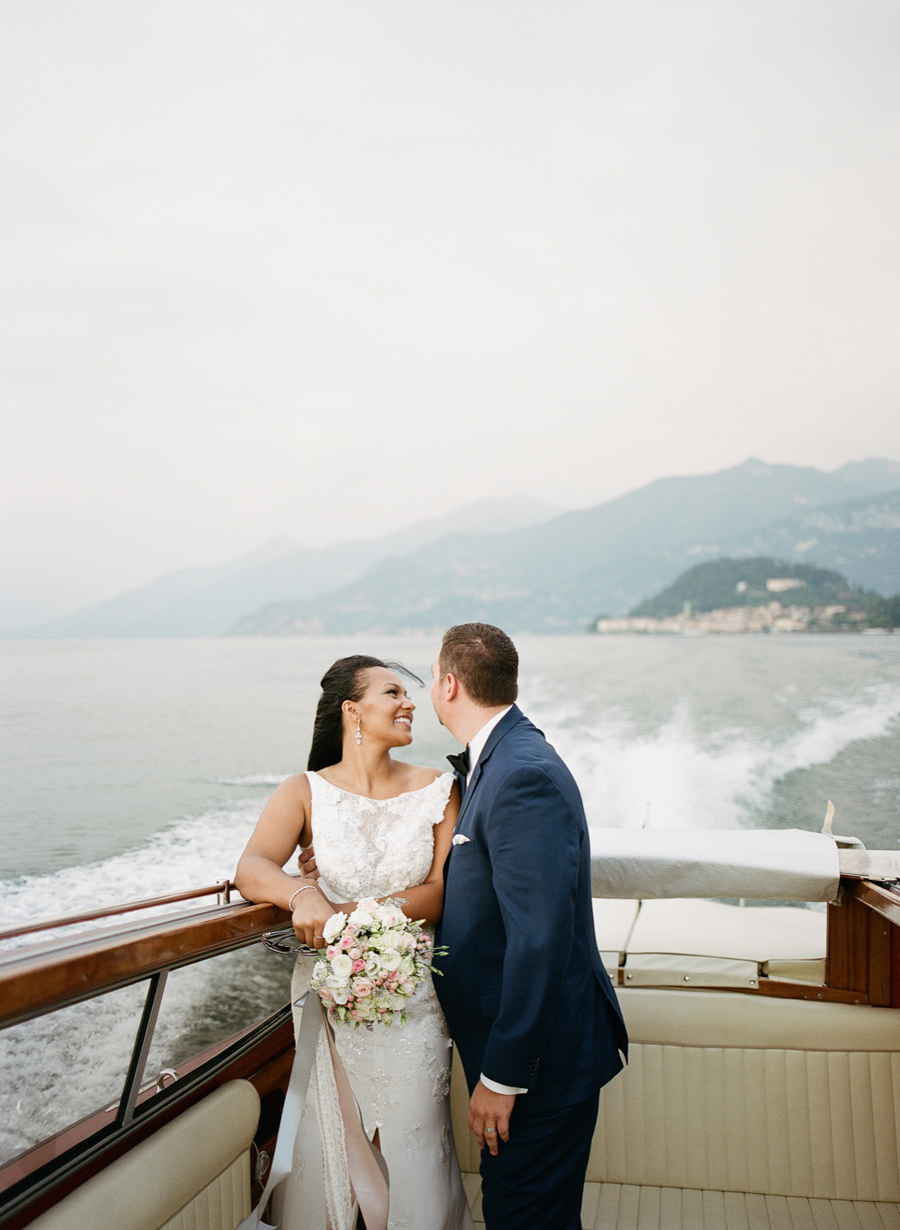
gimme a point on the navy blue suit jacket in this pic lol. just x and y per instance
(524, 990)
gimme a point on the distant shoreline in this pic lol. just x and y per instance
(770, 619)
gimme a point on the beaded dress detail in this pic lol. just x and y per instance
(399, 1074)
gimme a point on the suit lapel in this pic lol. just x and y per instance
(502, 728)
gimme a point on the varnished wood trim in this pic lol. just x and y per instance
(879, 960)
(110, 911)
(805, 990)
(280, 1044)
(884, 901)
(266, 1063)
(48, 976)
(847, 953)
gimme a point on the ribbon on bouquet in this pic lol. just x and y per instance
(367, 1168)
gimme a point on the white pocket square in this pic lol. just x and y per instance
(460, 839)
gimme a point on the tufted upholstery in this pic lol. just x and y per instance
(751, 1094)
(665, 1208)
(193, 1174)
(792, 1123)
(221, 1204)
(747, 1094)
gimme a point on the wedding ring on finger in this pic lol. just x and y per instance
(490, 1131)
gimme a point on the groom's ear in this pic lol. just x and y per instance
(451, 686)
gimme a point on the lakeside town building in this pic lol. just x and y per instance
(769, 617)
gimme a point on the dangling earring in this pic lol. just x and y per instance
(358, 731)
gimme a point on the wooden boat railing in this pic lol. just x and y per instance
(862, 967)
(222, 891)
(70, 968)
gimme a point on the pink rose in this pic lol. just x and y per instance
(352, 929)
(330, 951)
(346, 942)
(357, 965)
(362, 987)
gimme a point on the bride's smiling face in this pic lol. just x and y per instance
(385, 710)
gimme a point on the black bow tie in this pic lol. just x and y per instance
(460, 762)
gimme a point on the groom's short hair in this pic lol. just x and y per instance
(484, 660)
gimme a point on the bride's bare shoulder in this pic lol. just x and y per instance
(294, 786)
(416, 776)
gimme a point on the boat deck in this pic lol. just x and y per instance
(618, 1206)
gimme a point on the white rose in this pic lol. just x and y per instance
(362, 918)
(391, 959)
(393, 918)
(341, 995)
(341, 966)
(334, 926)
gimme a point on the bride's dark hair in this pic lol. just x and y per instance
(345, 680)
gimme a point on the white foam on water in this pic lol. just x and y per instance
(58, 1068)
(188, 854)
(254, 779)
(671, 778)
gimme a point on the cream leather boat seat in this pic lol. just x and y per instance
(193, 1174)
(741, 1112)
(702, 943)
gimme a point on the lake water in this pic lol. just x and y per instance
(134, 767)
(131, 768)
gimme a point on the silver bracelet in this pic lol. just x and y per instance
(294, 894)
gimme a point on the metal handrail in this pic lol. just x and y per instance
(39, 978)
(223, 889)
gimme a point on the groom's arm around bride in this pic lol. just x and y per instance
(525, 993)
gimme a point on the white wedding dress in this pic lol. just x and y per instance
(399, 1074)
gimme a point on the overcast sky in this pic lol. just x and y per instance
(325, 268)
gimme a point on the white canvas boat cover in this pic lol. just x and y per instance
(757, 864)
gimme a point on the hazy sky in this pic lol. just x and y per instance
(325, 268)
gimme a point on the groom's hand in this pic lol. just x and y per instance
(306, 861)
(489, 1110)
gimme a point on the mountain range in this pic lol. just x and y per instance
(524, 565)
(559, 575)
(207, 601)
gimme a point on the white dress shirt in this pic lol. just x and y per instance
(476, 747)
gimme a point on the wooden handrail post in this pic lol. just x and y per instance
(863, 953)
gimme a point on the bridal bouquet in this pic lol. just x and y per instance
(372, 963)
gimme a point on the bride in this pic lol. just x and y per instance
(382, 828)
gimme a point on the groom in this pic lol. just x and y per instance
(528, 1002)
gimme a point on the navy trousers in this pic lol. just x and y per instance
(536, 1181)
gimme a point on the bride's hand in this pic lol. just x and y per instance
(306, 861)
(311, 913)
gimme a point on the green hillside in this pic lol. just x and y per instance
(743, 582)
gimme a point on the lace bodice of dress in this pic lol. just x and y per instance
(374, 847)
(399, 1074)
